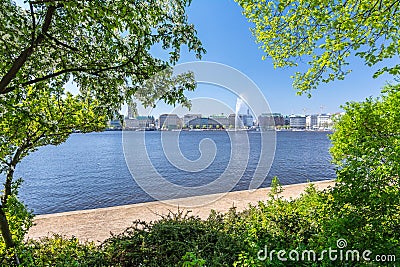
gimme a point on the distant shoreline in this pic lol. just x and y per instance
(219, 130)
(96, 224)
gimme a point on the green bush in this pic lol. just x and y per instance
(366, 151)
(168, 241)
(60, 251)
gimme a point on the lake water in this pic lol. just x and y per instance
(90, 170)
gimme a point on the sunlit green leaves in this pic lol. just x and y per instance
(104, 46)
(366, 149)
(325, 34)
(39, 116)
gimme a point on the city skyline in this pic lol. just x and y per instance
(242, 120)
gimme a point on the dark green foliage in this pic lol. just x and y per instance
(59, 251)
(167, 242)
(366, 150)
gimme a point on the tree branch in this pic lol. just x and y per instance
(33, 24)
(23, 57)
(46, 1)
(87, 70)
(60, 43)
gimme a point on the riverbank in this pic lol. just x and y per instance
(96, 225)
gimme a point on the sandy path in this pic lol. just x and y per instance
(96, 224)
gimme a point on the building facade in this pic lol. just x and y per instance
(169, 122)
(221, 119)
(189, 117)
(297, 121)
(246, 120)
(324, 121)
(270, 120)
(231, 120)
(312, 122)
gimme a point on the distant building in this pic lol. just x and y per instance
(270, 120)
(324, 121)
(278, 119)
(115, 123)
(146, 121)
(311, 122)
(286, 120)
(231, 120)
(221, 119)
(240, 121)
(169, 122)
(131, 111)
(246, 120)
(189, 117)
(297, 121)
(131, 124)
(140, 123)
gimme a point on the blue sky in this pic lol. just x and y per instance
(225, 34)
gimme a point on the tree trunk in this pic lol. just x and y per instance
(7, 186)
(6, 233)
(5, 229)
(4, 226)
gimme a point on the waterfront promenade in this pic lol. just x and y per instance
(96, 225)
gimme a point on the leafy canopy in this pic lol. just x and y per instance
(102, 45)
(325, 33)
(39, 117)
(366, 149)
(36, 116)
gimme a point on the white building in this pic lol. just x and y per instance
(131, 123)
(324, 121)
(312, 122)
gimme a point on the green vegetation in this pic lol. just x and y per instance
(325, 34)
(363, 209)
(231, 239)
(30, 119)
(103, 47)
(366, 151)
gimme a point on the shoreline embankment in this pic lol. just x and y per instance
(97, 224)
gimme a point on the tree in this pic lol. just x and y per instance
(366, 149)
(30, 119)
(326, 34)
(103, 46)
(44, 114)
